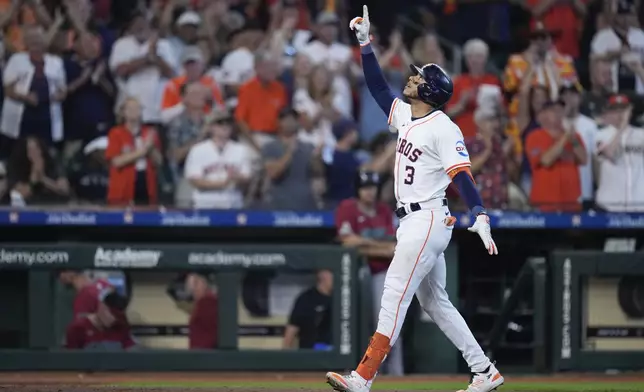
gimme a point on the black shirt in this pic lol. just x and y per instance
(312, 315)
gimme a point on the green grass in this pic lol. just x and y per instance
(397, 386)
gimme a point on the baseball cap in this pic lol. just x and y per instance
(342, 127)
(246, 26)
(327, 17)
(192, 53)
(367, 178)
(539, 30)
(100, 143)
(189, 18)
(617, 101)
(217, 116)
(483, 113)
(569, 86)
(552, 103)
(625, 7)
(286, 112)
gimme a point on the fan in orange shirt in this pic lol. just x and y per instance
(194, 67)
(555, 154)
(464, 99)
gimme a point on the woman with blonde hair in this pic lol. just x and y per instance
(319, 107)
(133, 152)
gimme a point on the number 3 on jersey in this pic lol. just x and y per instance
(409, 175)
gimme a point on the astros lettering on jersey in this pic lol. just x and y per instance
(428, 149)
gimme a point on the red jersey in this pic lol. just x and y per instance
(88, 298)
(350, 219)
(202, 332)
(81, 334)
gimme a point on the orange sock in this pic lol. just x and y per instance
(376, 352)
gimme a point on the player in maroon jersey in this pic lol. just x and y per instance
(99, 314)
(367, 224)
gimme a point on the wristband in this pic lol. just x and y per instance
(479, 210)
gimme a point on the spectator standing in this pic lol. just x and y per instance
(493, 159)
(291, 166)
(89, 173)
(194, 67)
(319, 107)
(564, 19)
(219, 21)
(298, 76)
(622, 44)
(186, 28)
(464, 100)
(620, 153)
(555, 151)
(34, 176)
(601, 87)
(34, 87)
(289, 39)
(259, 103)
(218, 168)
(89, 106)
(326, 49)
(203, 325)
(238, 65)
(367, 225)
(335, 56)
(142, 63)
(310, 318)
(341, 163)
(426, 49)
(184, 132)
(542, 65)
(531, 99)
(19, 17)
(134, 154)
(587, 131)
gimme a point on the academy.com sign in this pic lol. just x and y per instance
(126, 257)
(237, 259)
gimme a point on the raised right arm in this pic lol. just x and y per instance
(375, 79)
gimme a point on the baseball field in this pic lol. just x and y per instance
(297, 382)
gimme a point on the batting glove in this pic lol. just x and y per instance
(482, 227)
(360, 26)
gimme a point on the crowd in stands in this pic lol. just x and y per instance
(261, 103)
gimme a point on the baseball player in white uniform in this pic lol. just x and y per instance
(430, 155)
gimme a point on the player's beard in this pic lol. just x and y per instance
(409, 95)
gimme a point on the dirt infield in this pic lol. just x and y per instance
(108, 382)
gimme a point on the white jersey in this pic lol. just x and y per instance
(428, 148)
(206, 161)
(621, 180)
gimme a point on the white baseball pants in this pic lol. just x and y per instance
(418, 267)
(393, 365)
